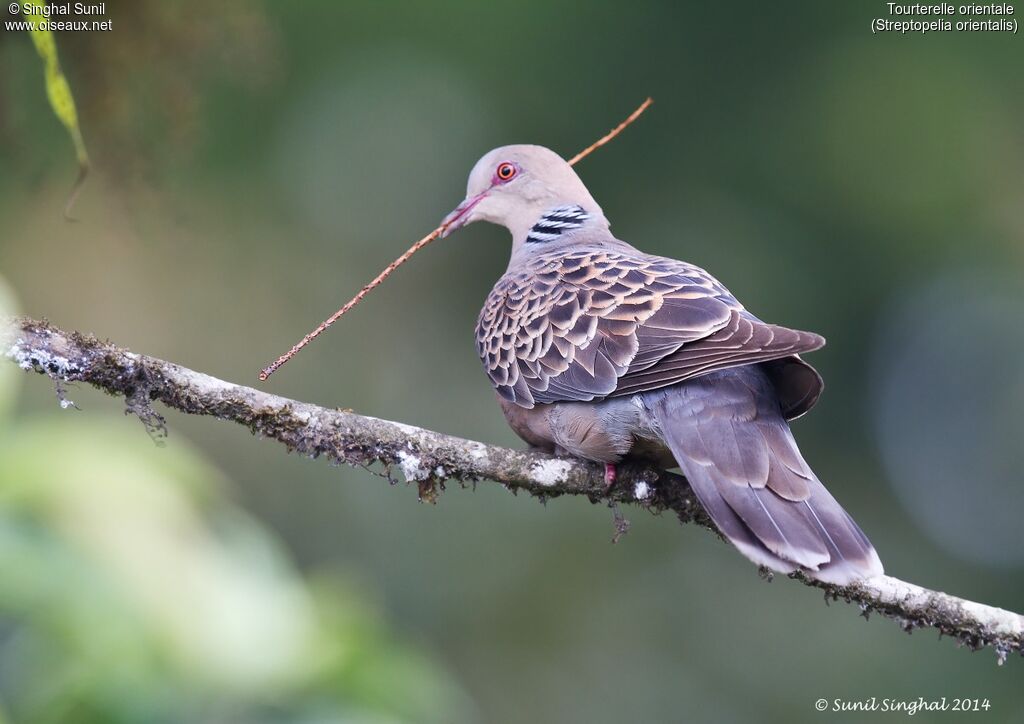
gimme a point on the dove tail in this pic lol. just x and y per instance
(728, 435)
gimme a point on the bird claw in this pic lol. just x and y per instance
(621, 524)
(609, 477)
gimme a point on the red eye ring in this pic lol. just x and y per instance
(506, 171)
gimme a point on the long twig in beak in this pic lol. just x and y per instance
(611, 134)
(274, 366)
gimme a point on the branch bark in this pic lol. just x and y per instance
(429, 459)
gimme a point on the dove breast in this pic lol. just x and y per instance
(605, 431)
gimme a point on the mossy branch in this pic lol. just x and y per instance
(429, 459)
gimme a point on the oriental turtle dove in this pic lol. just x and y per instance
(599, 350)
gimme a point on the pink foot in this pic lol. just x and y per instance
(621, 524)
(609, 476)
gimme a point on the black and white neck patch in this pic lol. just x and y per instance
(556, 222)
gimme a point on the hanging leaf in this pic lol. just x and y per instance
(63, 104)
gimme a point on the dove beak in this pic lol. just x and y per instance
(461, 215)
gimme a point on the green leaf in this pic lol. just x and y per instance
(63, 103)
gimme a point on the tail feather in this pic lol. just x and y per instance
(781, 526)
(728, 435)
(732, 526)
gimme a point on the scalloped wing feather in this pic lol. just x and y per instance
(593, 322)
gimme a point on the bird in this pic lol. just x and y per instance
(601, 351)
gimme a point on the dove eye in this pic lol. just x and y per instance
(506, 171)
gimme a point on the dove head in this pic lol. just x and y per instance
(531, 191)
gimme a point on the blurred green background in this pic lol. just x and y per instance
(255, 163)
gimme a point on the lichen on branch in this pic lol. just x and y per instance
(429, 459)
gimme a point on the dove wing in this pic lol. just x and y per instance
(598, 322)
